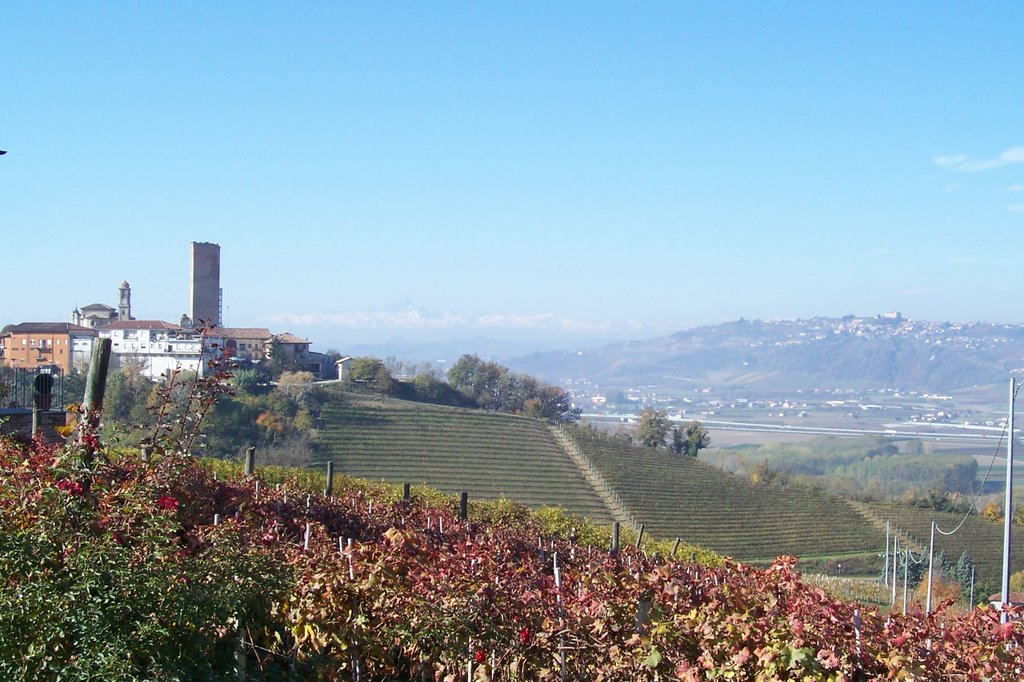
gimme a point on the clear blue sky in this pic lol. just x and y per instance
(575, 172)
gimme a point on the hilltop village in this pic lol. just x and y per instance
(156, 347)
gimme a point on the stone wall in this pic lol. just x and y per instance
(18, 421)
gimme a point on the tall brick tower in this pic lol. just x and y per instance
(205, 284)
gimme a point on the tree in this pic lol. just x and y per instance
(127, 397)
(251, 381)
(485, 383)
(296, 386)
(652, 428)
(690, 439)
(277, 358)
(963, 573)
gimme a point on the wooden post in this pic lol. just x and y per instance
(675, 548)
(639, 536)
(250, 460)
(96, 381)
(240, 662)
(464, 506)
(36, 421)
(329, 490)
(615, 537)
(405, 493)
(144, 454)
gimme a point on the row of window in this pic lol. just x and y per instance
(43, 343)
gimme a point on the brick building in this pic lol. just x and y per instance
(39, 344)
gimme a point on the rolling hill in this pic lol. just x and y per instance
(843, 352)
(492, 455)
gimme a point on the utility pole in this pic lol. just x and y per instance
(1008, 507)
(931, 559)
(885, 574)
(906, 570)
(895, 553)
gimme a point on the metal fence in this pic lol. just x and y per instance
(19, 386)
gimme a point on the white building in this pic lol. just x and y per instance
(157, 348)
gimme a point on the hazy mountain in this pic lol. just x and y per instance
(835, 352)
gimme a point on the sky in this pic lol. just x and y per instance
(561, 174)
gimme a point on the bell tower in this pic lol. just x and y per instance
(124, 305)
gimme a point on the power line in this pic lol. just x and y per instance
(988, 472)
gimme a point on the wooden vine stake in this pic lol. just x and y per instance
(329, 490)
(250, 460)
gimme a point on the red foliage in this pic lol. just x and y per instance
(407, 597)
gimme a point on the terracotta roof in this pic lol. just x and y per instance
(49, 328)
(98, 306)
(243, 332)
(288, 337)
(145, 324)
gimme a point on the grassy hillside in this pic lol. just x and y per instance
(493, 455)
(678, 496)
(982, 539)
(487, 454)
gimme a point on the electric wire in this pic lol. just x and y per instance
(988, 472)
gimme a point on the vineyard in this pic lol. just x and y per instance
(980, 538)
(116, 568)
(492, 455)
(487, 454)
(680, 496)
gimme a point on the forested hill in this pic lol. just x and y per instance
(837, 352)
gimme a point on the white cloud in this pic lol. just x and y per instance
(1014, 188)
(1016, 208)
(950, 161)
(414, 319)
(540, 321)
(409, 319)
(963, 163)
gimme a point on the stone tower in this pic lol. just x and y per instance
(124, 304)
(205, 308)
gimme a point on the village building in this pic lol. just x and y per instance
(30, 345)
(156, 348)
(295, 350)
(248, 343)
(96, 315)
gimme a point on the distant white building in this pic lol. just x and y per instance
(157, 348)
(344, 365)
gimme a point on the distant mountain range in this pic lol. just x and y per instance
(851, 352)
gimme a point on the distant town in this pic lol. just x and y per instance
(156, 347)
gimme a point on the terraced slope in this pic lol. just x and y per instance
(488, 455)
(676, 496)
(982, 539)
